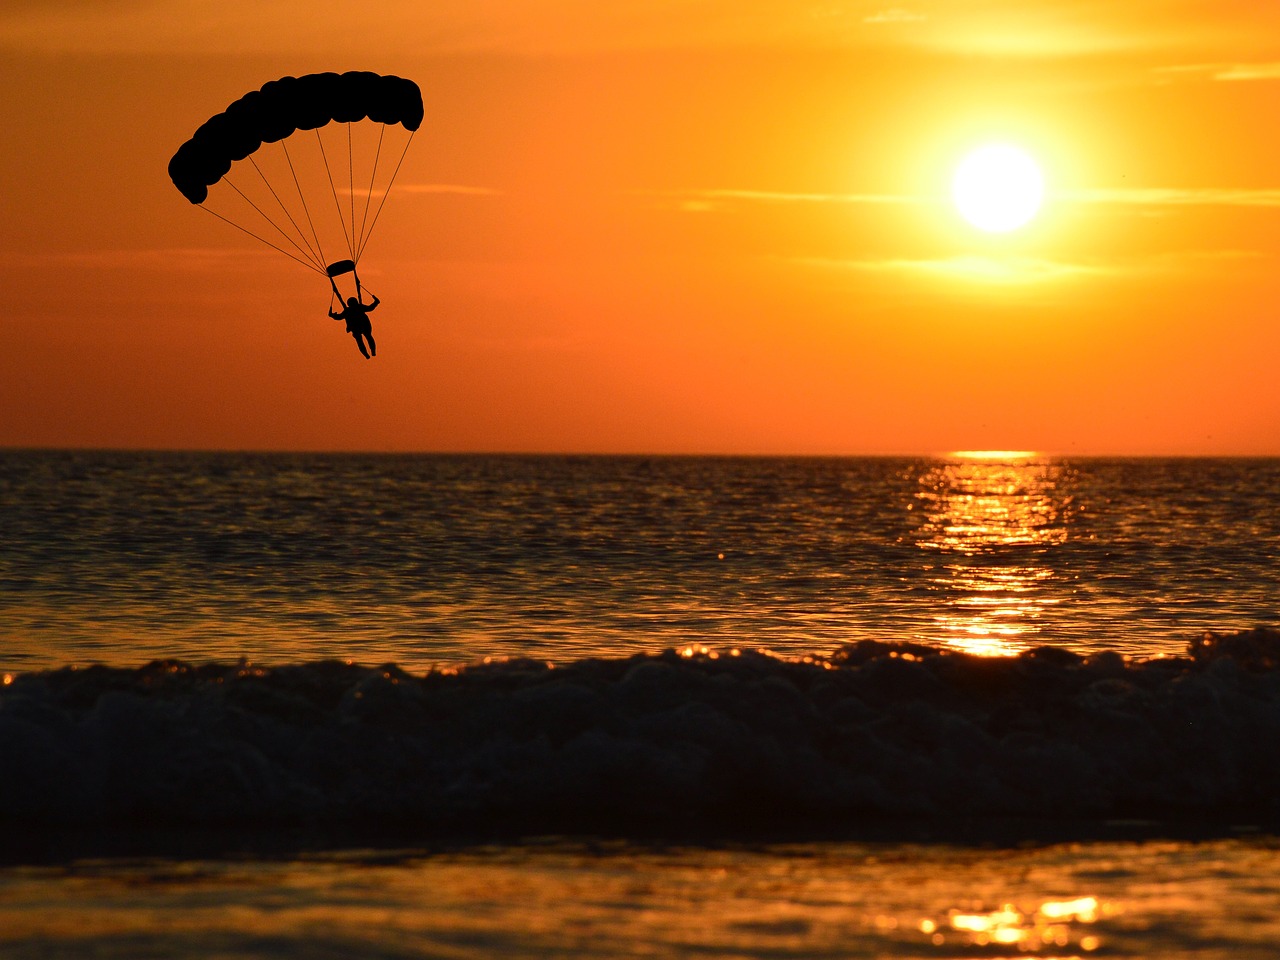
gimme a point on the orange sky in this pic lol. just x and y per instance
(662, 226)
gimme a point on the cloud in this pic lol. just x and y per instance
(454, 189)
(1266, 70)
(1006, 271)
(1249, 71)
(704, 200)
(1015, 271)
(895, 15)
(1176, 197)
(701, 201)
(1153, 198)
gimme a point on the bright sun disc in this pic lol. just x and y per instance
(997, 188)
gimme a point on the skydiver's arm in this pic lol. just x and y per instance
(376, 301)
(334, 316)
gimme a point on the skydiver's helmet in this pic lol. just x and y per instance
(353, 302)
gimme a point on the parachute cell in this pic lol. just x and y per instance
(283, 106)
(313, 191)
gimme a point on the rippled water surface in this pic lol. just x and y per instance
(123, 557)
(1213, 899)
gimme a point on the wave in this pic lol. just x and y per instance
(682, 738)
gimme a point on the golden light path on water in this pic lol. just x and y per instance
(988, 519)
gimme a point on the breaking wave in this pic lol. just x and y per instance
(877, 730)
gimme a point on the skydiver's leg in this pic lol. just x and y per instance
(373, 347)
(360, 344)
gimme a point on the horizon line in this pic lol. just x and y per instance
(1003, 455)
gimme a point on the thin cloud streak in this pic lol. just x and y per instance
(1175, 196)
(701, 200)
(1026, 271)
(1228, 72)
(437, 189)
(447, 188)
(995, 270)
(895, 15)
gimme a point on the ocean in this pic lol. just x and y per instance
(263, 705)
(122, 558)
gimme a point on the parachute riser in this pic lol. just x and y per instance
(344, 268)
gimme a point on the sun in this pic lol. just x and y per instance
(998, 188)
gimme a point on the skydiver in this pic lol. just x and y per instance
(357, 316)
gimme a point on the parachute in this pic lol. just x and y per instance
(312, 195)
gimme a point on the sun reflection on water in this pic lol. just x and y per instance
(1055, 923)
(989, 520)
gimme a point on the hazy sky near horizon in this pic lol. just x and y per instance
(662, 226)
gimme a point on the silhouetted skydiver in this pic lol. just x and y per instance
(357, 316)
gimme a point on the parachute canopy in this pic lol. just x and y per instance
(293, 199)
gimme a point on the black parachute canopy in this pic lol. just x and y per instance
(283, 106)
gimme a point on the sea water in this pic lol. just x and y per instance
(555, 898)
(732, 707)
(419, 560)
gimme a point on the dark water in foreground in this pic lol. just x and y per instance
(123, 558)
(1214, 899)
(880, 763)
